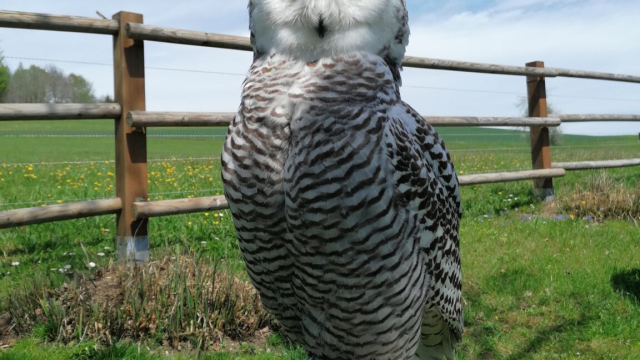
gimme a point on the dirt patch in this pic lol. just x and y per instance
(7, 336)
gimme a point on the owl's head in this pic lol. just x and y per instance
(313, 29)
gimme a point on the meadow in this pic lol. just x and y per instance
(541, 281)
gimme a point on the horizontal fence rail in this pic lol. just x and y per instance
(189, 37)
(491, 121)
(11, 112)
(570, 118)
(183, 119)
(168, 119)
(491, 178)
(148, 209)
(24, 20)
(50, 213)
(587, 165)
(131, 144)
(453, 65)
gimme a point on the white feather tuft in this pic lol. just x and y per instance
(288, 27)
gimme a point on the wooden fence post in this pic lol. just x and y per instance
(540, 139)
(131, 143)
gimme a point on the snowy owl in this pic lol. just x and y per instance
(345, 201)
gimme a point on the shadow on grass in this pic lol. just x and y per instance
(545, 335)
(485, 322)
(627, 282)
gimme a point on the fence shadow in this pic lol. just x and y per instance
(627, 282)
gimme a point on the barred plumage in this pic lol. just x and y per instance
(345, 200)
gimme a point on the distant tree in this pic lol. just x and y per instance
(82, 89)
(59, 88)
(555, 133)
(5, 77)
(50, 85)
(28, 85)
(105, 99)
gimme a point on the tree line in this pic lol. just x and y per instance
(50, 84)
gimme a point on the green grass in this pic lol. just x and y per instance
(534, 287)
(35, 349)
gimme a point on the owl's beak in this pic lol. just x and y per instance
(321, 30)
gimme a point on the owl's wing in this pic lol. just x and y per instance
(427, 183)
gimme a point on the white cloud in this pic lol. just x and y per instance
(593, 35)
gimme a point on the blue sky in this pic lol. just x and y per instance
(597, 35)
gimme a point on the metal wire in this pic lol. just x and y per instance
(489, 149)
(51, 201)
(84, 162)
(552, 147)
(244, 74)
(103, 136)
(111, 65)
(185, 191)
(218, 159)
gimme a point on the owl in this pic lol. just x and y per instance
(345, 201)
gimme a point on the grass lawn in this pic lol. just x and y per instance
(540, 282)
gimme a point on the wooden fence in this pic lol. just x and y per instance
(130, 206)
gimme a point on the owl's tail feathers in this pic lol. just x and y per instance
(437, 340)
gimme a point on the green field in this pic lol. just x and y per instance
(541, 281)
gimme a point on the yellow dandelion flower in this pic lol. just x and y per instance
(206, 214)
(59, 201)
(189, 223)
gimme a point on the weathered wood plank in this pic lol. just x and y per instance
(491, 121)
(588, 165)
(164, 34)
(183, 119)
(476, 179)
(187, 37)
(596, 117)
(131, 143)
(168, 119)
(44, 214)
(36, 21)
(540, 139)
(10, 112)
(465, 66)
(147, 209)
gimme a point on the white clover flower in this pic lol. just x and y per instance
(92, 264)
(100, 254)
(15, 263)
(67, 267)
